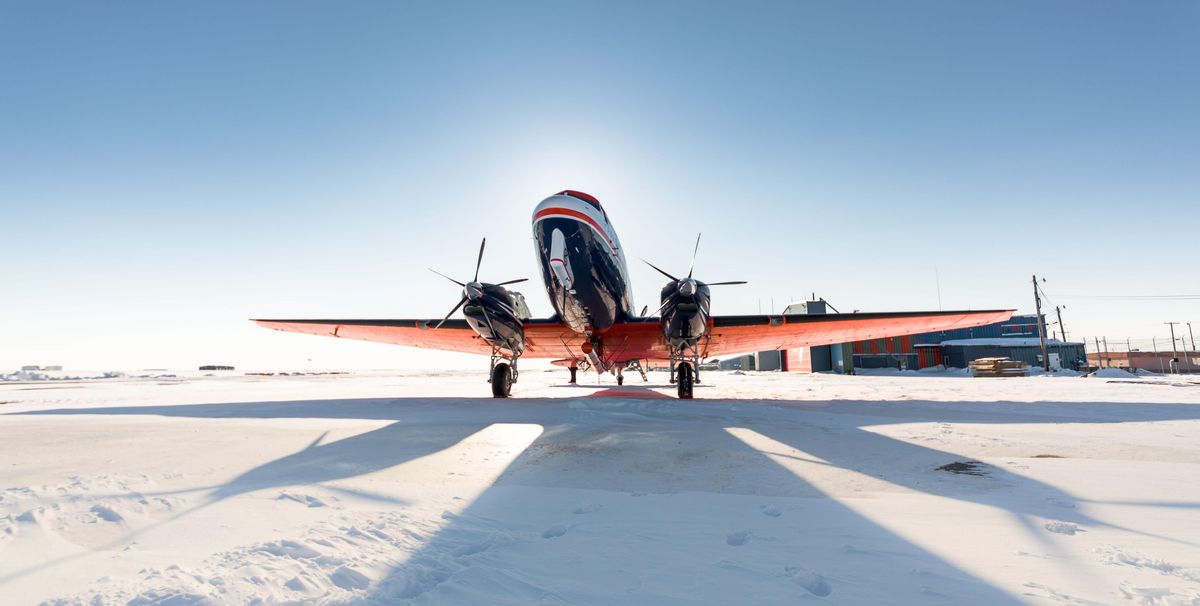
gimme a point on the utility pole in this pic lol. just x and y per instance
(1099, 357)
(1061, 328)
(1192, 337)
(1037, 299)
(1107, 356)
(1174, 351)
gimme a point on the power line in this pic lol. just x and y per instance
(1135, 297)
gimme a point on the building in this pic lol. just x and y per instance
(1161, 362)
(1016, 338)
(958, 353)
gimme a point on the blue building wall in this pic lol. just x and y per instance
(1017, 326)
(1070, 355)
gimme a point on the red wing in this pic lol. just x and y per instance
(641, 339)
(745, 334)
(543, 338)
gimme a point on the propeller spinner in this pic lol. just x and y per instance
(472, 291)
(689, 286)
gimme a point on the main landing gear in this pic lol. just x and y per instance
(685, 370)
(686, 378)
(503, 373)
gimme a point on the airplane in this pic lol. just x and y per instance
(596, 325)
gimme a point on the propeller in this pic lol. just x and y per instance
(473, 290)
(688, 286)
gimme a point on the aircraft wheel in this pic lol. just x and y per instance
(620, 380)
(501, 380)
(686, 378)
(573, 371)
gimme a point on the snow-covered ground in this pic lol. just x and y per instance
(768, 489)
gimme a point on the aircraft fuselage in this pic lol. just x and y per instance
(582, 263)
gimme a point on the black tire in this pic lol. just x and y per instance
(620, 380)
(501, 380)
(573, 371)
(686, 378)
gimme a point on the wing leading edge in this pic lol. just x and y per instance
(641, 339)
(543, 338)
(743, 334)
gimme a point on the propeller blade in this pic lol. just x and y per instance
(661, 308)
(660, 271)
(460, 304)
(512, 282)
(694, 251)
(446, 277)
(488, 319)
(644, 310)
(479, 261)
(726, 283)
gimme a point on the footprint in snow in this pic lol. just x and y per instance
(737, 539)
(555, 531)
(106, 513)
(349, 578)
(1066, 528)
(303, 499)
(810, 581)
(770, 511)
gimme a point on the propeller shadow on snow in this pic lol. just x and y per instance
(675, 447)
(321, 463)
(356, 455)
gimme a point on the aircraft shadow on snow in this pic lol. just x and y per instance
(665, 432)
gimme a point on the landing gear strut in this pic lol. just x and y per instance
(503, 373)
(637, 365)
(685, 369)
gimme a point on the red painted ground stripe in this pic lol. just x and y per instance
(575, 215)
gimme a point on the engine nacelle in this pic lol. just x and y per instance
(685, 310)
(497, 315)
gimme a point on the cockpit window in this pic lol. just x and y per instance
(582, 196)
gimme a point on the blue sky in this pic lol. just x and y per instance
(168, 170)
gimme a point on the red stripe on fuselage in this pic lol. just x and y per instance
(574, 214)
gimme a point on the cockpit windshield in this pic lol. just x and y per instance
(582, 196)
